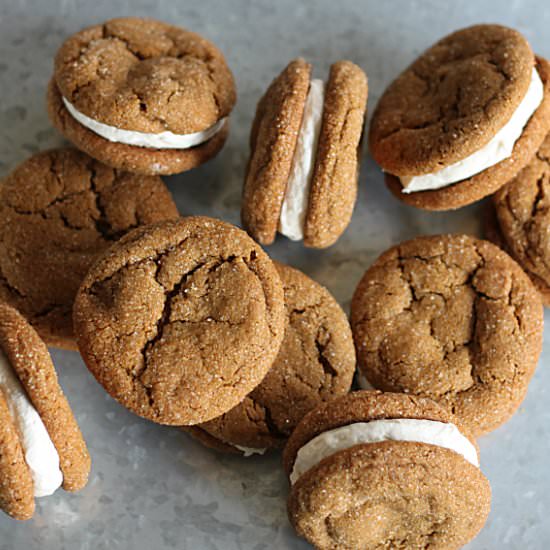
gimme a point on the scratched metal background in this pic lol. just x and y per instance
(152, 487)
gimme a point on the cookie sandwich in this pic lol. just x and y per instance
(315, 363)
(453, 318)
(463, 119)
(304, 161)
(181, 320)
(520, 217)
(373, 470)
(142, 95)
(59, 210)
(41, 447)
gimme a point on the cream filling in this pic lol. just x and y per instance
(442, 434)
(40, 453)
(498, 149)
(295, 202)
(161, 140)
(249, 451)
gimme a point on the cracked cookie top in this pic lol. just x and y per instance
(523, 211)
(179, 321)
(453, 318)
(451, 101)
(58, 210)
(315, 363)
(146, 76)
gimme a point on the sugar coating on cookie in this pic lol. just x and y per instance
(315, 364)
(59, 210)
(372, 470)
(302, 174)
(142, 95)
(522, 217)
(462, 119)
(453, 318)
(180, 320)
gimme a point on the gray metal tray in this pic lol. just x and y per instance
(152, 487)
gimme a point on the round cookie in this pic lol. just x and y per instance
(146, 86)
(453, 318)
(329, 189)
(449, 104)
(315, 363)
(354, 485)
(58, 210)
(521, 218)
(28, 356)
(179, 321)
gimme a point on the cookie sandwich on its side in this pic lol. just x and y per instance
(373, 470)
(463, 119)
(142, 95)
(315, 363)
(305, 141)
(41, 447)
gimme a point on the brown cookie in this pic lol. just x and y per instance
(316, 363)
(522, 217)
(141, 75)
(449, 104)
(179, 321)
(378, 492)
(28, 356)
(274, 139)
(493, 233)
(58, 210)
(453, 318)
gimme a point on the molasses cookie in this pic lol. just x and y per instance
(453, 318)
(41, 447)
(463, 119)
(179, 321)
(372, 470)
(58, 210)
(142, 96)
(304, 160)
(521, 216)
(316, 362)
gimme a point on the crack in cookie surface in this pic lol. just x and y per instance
(144, 75)
(60, 209)
(523, 211)
(452, 100)
(452, 318)
(189, 316)
(315, 364)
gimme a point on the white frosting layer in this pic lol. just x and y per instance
(161, 140)
(363, 382)
(249, 451)
(294, 207)
(498, 149)
(442, 434)
(40, 453)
